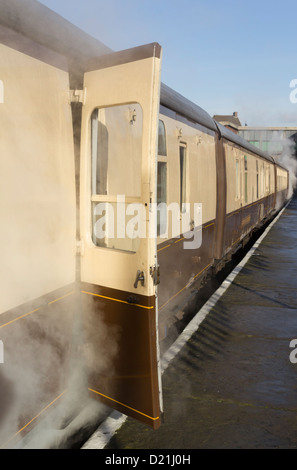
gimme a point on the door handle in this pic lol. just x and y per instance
(139, 278)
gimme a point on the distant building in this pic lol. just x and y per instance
(273, 140)
(231, 122)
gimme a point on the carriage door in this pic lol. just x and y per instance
(118, 255)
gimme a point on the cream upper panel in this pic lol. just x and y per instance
(37, 187)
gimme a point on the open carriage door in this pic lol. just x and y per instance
(118, 255)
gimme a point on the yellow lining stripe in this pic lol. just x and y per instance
(18, 318)
(171, 298)
(36, 310)
(33, 419)
(63, 297)
(164, 248)
(179, 240)
(126, 406)
(117, 300)
(236, 241)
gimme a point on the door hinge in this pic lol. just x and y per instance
(155, 273)
(77, 96)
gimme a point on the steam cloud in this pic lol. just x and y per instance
(288, 160)
(49, 353)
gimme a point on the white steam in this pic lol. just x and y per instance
(48, 356)
(289, 161)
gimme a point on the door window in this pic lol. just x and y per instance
(116, 153)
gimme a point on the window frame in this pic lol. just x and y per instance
(111, 198)
(162, 145)
(183, 179)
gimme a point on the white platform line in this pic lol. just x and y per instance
(108, 428)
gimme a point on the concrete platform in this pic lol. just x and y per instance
(232, 384)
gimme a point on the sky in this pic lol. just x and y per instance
(224, 55)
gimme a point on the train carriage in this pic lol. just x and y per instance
(118, 197)
(235, 183)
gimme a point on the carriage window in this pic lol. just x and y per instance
(162, 198)
(245, 180)
(162, 139)
(262, 180)
(182, 161)
(267, 180)
(237, 179)
(257, 176)
(116, 155)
